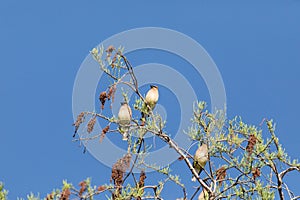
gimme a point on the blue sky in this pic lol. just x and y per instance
(42, 44)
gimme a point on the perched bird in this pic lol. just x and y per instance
(124, 118)
(200, 159)
(152, 96)
(151, 100)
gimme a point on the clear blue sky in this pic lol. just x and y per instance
(255, 45)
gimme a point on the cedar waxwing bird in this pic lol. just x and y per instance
(200, 159)
(124, 118)
(150, 99)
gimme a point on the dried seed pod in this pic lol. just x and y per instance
(65, 195)
(104, 131)
(251, 143)
(221, 174)
(126, 160)
(255, 172)
(82, 185)
(117, 174)
(141, 182)
(101, 188)
(79, 120)
(91, 124)
(110, 49)
(119, 168)
(102, 98)
(111, 93)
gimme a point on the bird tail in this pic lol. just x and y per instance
(125, 132)
(125, 136)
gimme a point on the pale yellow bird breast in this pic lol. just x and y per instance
(203, 159)
(124, 115)
(152, 96)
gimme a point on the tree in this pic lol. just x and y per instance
(244, 161)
